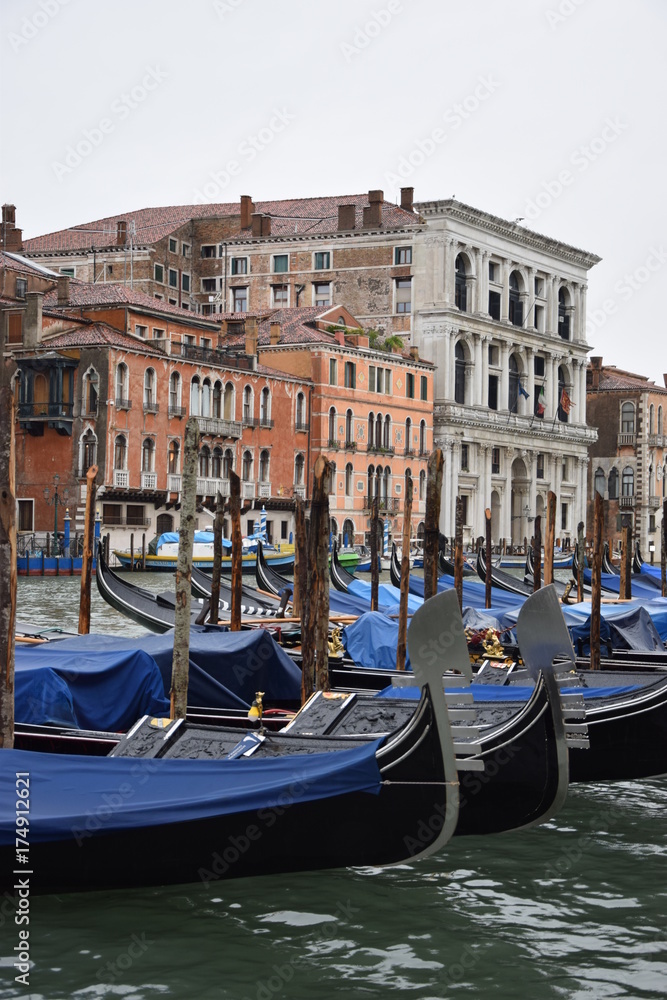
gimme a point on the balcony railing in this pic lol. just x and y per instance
(385, 503)
(123, 404)
(333, 444)
(265, 422)
(265, 489)
(300, 425)
(149, 480)
(654, 502)
(350, 446)
(625, 439)
(300, 491)
(248, 491)
(656, 440)
(46, 411)
(151, 406)
(220, 428)
(378, 449)
(626, 501)
(121, 478)
(121, 521)
(208, 487)
(250, 421)
(176, 411)
(174, 482)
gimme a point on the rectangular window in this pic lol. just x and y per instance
(185, 282)
(464, 458)
(539, 318)
(135, 514)
(494, 305)
(651, 524)
(25, 515)
(173, 302)
(205, 342)
(280, 295)
(159, 273)
(563, 516)
(209, 250)
(158, 334)
(371, 378)
(379, 380)
(173, 278)
(239, 265)
(493, 271)
(173, 246)
(464, 509)
(239, 300)
(185, 305)
(209, 284)
(493, 392)
(186, 249)
(423, 393)
(539, 287)
(322, 261)
(495, 461)
(112, 513)
(322, 293)
(387, 381)
(333, 375)
(283, 529)
(540, 465)
(494, 355)
(141, 331)
(564, 469)
(350, 375)
(21, 288)
(410, 385)
(402, 255)
(189, 340)
(280, 263)
(70, 271)
(403, 295)
(538, 366)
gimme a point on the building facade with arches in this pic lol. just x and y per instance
(501, 311)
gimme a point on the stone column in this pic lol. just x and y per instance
(482, 263)
(483, 491)
(451, 250)
(505, 293)
(504, 376)
(451, 362)
(551, 319)
(528, 404)
(506, 513)
(484, 396)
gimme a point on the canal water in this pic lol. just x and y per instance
(572, 910)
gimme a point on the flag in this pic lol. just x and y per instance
(541, 405)
(526, 395)
(565, 402)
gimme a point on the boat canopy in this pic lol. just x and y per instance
(203, 537)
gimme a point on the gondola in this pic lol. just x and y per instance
(501, 579)
(562, 589)
(268, 579)
(339, 576)
(178, 803)
(607, 565)
(252, 602)
(643, 585)
(637, 560)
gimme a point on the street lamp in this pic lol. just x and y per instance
(55, 499)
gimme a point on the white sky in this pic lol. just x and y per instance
(551, 110)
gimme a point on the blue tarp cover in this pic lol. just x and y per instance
(73, 796)
(509, 692)
(90, 688)
(371, 641)
(200, 536)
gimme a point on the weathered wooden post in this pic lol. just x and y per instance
(7, 563)
(401, 646)
(214, 607)
(143, 551)
(132, 552)
(186, 534)
(300, 558)
(663, 550)
(549, 539)
(537, 554)
(87, 554)
(432, 522)
(596, 581)
(625, 589)
(487, 558)
(458, 558)
(237, 550)
(375, 569)
(581, 559)
(315, 608)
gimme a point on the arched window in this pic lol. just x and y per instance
(247, 405)
(332, 478)
(628, 482)
(148, 455)
(408, 436)
(348, 532)
(217, 400)
(227, 463)
(174, 393)
(195, 394)
(299, 465)
(386, 483)
(174, 458)
(264, 466)
(461, 289)
(349, 428)
(149, 389)
(120, 452)
(563, 396)
(628, 418)
(229, 407)
(660, 420)
(651, 415)
(371, 482)
(88, 451)
(513, 394)
(378, 431)
(122, 383)
(613, 484)
(422, 485)
(300, 411)
(204, 461)
(515, 303)
(422, 437)
(349, 479)
(206, 398)
(563, 314)
(371, 429)
(216, 463)
(600, 482)
(378, 482)
(332, 426)
(265, 408)
(164, 523)
(386, 433)
(246, 466)
(459, 374)
(91, 382)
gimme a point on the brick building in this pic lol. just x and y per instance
(628, 462)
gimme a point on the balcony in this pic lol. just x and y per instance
(656, 440)
(220, 428)
(250, 421)
(149, 480)
(248, 491)
(265, 422)
(120, 521)
(265, 490)
(46, 411)
(210, 487)
(654, 503)
(377, 449)
(300, 491)
(333, 444)
(626, 439)
(174, 483)
(176, 411)
(627, 502)
(151, 406)
(121, 478)
(123, 404)
(385, 503)
(350, 446)
(300, 425)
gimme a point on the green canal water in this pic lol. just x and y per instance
(573, 909)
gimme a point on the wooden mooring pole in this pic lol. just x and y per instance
(300, 559)
(663, 550)
(432, 522)
(186, 534)
(487, 557)
(237, 550)
(87, 554)
(375, 569)
(549, 539)
(315, 606)
(7, 564)
(537, 554)
(458, 556)
(596, 581)
(401, 647)
(625, 589)
(214, 606)
(581, 559)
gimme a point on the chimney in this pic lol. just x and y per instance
(266, 225)
(375, 198)
(63, 289)
(247, 208)
(596, 368)
(12, 238)
(274, 332)
(407, 198)
(414, 353)
(251, 337)
(32, 330)
(346, 216)
(121, 232)
(256, 223)
(340, 337)
(367, 217)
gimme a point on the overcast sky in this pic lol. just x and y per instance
(550, 110)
